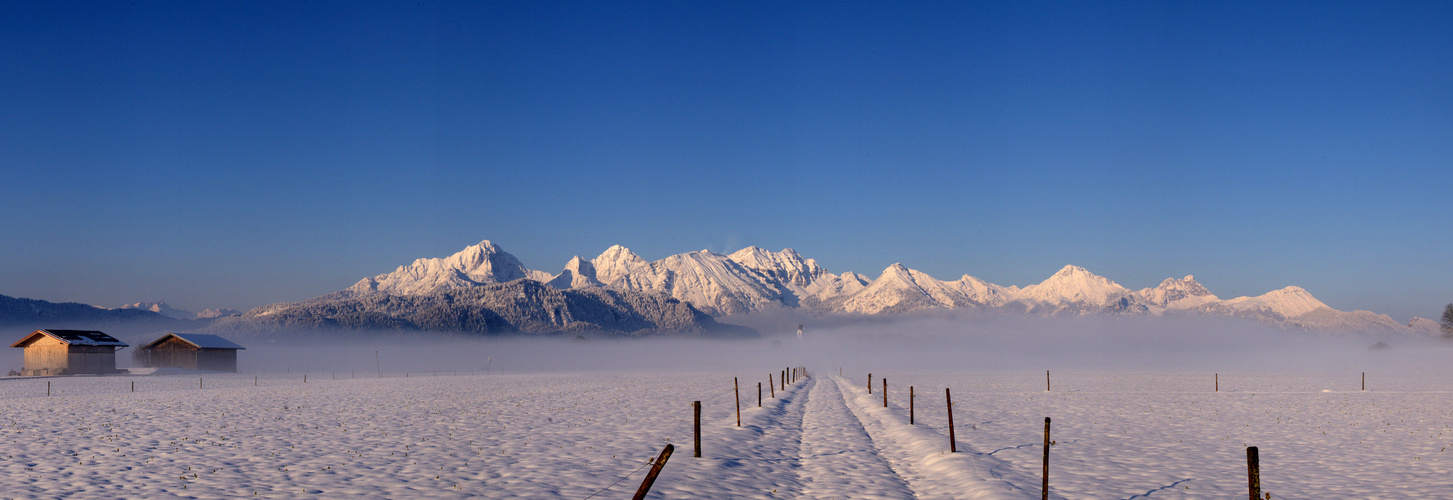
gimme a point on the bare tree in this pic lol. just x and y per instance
(1448, 322)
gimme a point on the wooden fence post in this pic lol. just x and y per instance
(870, 383)
(1218, 382)
(1253, 471)
(655, 471)
(47, 387)
(885, 392)
(759, 394)
(133, 386)
(199, 382)
(737, 393)
(1046, 380)
(696, 426)
(254, 380)
(953, 446)
(910, 405)
(1044, 485)
(772, 384)
(1364, 381)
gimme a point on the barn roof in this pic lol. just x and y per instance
(198, 340)
(74, 337)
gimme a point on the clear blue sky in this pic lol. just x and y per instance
(232, 154)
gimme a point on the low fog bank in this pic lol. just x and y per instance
(919, 344)
(926, 343)
(1003, 343)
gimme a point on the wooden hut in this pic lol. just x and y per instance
(193, 351)
(69, 352)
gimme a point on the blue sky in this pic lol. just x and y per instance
(233, 154)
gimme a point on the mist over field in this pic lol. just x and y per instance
(992, 344)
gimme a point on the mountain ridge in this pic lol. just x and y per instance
(754, 280)
(484, 289)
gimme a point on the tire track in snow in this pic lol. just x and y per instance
(839, 459)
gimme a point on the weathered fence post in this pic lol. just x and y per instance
(773, 385)
(133, 386)
(199, 382)
(1364, 381)
(737, 393)
(47, 387)
(655, 471)
(254, 380)
(953, 446)
(870, 383)
(305, 378)
(1218, 382)
(885, 392)
(910, 405)
(1044, 486)
(1046, 380)
(759, 394)
(1253, 471)
(696, 426)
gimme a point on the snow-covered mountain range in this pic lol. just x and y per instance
(754, 280)
(167, 310)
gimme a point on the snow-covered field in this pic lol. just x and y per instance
(569, 435)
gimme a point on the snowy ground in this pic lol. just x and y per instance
(569, 435)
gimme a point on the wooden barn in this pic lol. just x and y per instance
(193, 351)
(69, 352)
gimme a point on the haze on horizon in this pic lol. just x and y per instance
(230, 156)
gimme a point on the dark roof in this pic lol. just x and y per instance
(75, 337)
(198, 340)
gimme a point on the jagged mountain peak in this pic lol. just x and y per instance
(577, 273)
(480, 264)
(615, 263)
(162, 308)
(754, 279)
(786, 266)
(1184, 293)
(1071, 270)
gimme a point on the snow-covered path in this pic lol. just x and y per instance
(579, 435)
(839, 459)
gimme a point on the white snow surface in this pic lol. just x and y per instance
(571, 435)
